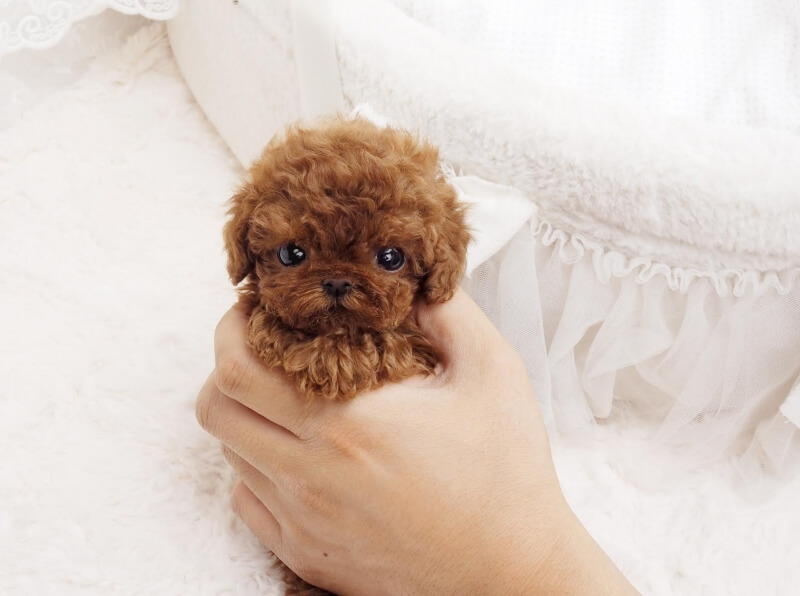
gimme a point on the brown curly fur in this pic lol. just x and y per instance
(342, 191)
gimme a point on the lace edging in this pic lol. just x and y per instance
(47, 23)
(610, 263)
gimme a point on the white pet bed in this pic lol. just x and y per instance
(659, 273)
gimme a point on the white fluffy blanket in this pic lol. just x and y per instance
(111, 281)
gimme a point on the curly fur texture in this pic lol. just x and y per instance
(343, 191)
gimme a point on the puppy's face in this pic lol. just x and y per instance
(322, 265)
(343, 226)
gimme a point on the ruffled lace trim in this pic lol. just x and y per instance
(610, 263)
(43, 23)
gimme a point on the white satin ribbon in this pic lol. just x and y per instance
(496, 213)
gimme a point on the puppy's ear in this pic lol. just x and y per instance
(240, 260)
(449, 239)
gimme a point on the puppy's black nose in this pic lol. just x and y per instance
(337, 287)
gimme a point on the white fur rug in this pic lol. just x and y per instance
(111, 281)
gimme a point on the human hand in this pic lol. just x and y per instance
(436, 485)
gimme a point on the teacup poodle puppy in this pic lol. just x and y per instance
(336, 232)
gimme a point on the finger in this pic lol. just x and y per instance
(460, 331)
(267, 446)
(241, 375)
(257, 517)
(258, 483)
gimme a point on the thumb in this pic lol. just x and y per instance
(460, 332)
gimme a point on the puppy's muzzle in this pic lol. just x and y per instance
(337, 288)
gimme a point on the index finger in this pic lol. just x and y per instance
(241, 375)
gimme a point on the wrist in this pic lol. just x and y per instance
(562, 559)
(577, 565)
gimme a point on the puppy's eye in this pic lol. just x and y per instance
(291, 254)
(391, 259)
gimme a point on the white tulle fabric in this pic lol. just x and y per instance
(709, 359)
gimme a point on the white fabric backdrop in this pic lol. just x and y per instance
(108, 486)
